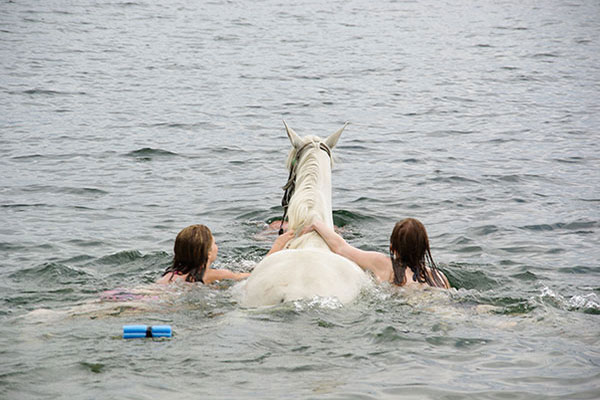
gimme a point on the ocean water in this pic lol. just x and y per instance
(123, 122)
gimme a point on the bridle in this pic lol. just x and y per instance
(290, 186)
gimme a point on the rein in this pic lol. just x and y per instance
(290, 186)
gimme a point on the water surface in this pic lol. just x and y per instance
(123, 122)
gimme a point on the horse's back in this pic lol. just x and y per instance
(302, 274)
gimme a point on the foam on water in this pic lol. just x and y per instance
(587, 303)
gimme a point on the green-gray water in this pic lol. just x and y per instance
(123, 122)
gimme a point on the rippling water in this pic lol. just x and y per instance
(123, 122)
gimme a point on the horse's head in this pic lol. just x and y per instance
(308, 191)
(299, 142)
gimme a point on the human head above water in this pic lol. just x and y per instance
(409, 247)
(192, 251)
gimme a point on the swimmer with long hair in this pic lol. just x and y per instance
(196, 249)
(409, 262)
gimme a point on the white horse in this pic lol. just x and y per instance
(307, 267)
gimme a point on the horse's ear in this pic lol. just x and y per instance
(294, 138)
(332, 140)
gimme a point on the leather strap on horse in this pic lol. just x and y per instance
(290, 186)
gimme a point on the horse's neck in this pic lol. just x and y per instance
(312, 198)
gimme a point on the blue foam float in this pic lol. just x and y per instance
(145, 331)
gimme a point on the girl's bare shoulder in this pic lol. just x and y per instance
(170, 278)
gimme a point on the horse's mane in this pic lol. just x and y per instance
(307, 203)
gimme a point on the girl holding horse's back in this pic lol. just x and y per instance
(196, 249)
(406, 263)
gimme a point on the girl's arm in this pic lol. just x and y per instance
(379, 264)
(212, 275)
(281, 241)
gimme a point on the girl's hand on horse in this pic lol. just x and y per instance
(281, 241)
(307, 229)
(315, 227)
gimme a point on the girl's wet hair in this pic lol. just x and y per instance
(191, 249)
(409, 247)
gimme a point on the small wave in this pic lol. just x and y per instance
(354, 147)
(570, 160)
(510, 28)
(49, 273)
(509, 178)
(78, 259)
(23, 205)
(178, 125)
(149, 154)
(330, 303)
(28, 157)
(6, 246)
(444, 133)
(525, 276)
(413, 161)
(84, 191)
(464, 276)
(545, 55)
(34, 157)
(256, 216)
(308, 77)
(527, 78)
(578, 269)
(484, 230)
(370, 200)
(528, 249)
(391, 334)
(86, 243)
(121, 257)
(343, 217)
(227, 149)
(127, 4)
(469, 249)
(48, 92)
(226, 38)
(458, 342)
(462, 240)
(64, 189)
(129, 267)
(569, 226)
(587, 303)
(93, 367)
(497, 301)
(462, 100)
(454, 179)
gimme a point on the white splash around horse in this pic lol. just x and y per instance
(307, 267)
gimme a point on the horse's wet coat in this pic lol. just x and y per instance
(308, 268)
